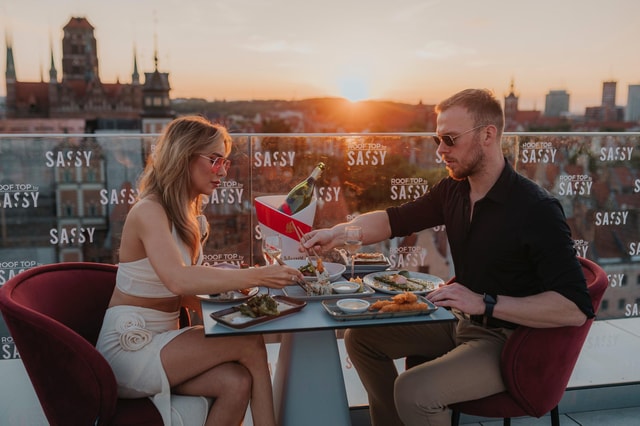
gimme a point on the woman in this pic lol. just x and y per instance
(159, 271)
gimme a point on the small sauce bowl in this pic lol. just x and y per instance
(352, 306)
(345, 287)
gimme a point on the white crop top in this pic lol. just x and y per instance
(138, 278)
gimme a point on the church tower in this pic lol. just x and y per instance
(79, 52)
(10, 75)
(53, 81)
(510, 107)
(156, 103)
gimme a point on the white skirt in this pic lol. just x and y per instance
(130, 340)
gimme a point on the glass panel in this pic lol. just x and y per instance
(65, 197)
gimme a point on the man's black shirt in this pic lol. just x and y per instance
(518, 242)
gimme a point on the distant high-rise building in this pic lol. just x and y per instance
(609, 94)
(556, 103)
(607, 111)
(632, 112)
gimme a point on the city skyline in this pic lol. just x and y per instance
(356, 49)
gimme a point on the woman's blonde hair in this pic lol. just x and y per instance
(167, 173)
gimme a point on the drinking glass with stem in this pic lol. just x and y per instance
(271, 250)
(352, 243)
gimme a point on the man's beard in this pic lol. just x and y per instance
(473, 167)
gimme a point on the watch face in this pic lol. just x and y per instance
(489, 299)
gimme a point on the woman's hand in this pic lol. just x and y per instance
(279, 276)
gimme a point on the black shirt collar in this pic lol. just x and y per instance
(499, 192)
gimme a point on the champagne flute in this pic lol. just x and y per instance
(352, 243)
(271, 249)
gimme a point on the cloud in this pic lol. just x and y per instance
(441, 50)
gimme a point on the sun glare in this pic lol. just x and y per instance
(353, 88)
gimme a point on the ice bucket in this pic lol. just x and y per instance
(272, 221)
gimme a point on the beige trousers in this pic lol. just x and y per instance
(464, 365)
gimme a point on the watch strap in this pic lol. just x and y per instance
(489, 303)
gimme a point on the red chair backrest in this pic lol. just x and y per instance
(54, 313)
(537, 363)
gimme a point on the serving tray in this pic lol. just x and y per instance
(297, 293)
(232, 317)
(335, 312)
(366, 267)
(370, 280)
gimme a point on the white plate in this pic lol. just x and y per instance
(352, 306)
(345, 287)
(335, 269)
(370, 280)
(229, 296)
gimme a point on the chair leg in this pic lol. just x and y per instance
(455, 417)
(555, 416)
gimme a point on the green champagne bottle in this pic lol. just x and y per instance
(300, 196)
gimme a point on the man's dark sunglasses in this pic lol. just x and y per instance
(449, 140)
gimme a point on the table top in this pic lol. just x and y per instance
(312, 317)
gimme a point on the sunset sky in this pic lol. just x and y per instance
(401, 50)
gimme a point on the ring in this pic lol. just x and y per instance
(293, 277)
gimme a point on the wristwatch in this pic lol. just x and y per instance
(490, 301)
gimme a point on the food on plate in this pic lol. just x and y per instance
(369, 257)
(403, 307)
(405, 298)
(402, 302)
(261, 304)
(322, 285)
(308, 270)
(380, 304)
(358, 281)
(404, 282)
(233, 294)
(319, 287)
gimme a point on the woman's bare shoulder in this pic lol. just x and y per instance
(147, 205)
(147, 211)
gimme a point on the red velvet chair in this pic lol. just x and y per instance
(536, 365)
(54, 313)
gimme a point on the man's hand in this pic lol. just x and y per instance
(455, 295)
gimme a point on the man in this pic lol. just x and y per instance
(514, 264)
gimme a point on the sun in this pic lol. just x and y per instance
(353, 88)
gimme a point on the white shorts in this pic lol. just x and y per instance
(130, 340)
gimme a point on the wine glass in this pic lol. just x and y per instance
(352, 243)
(271, 249)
